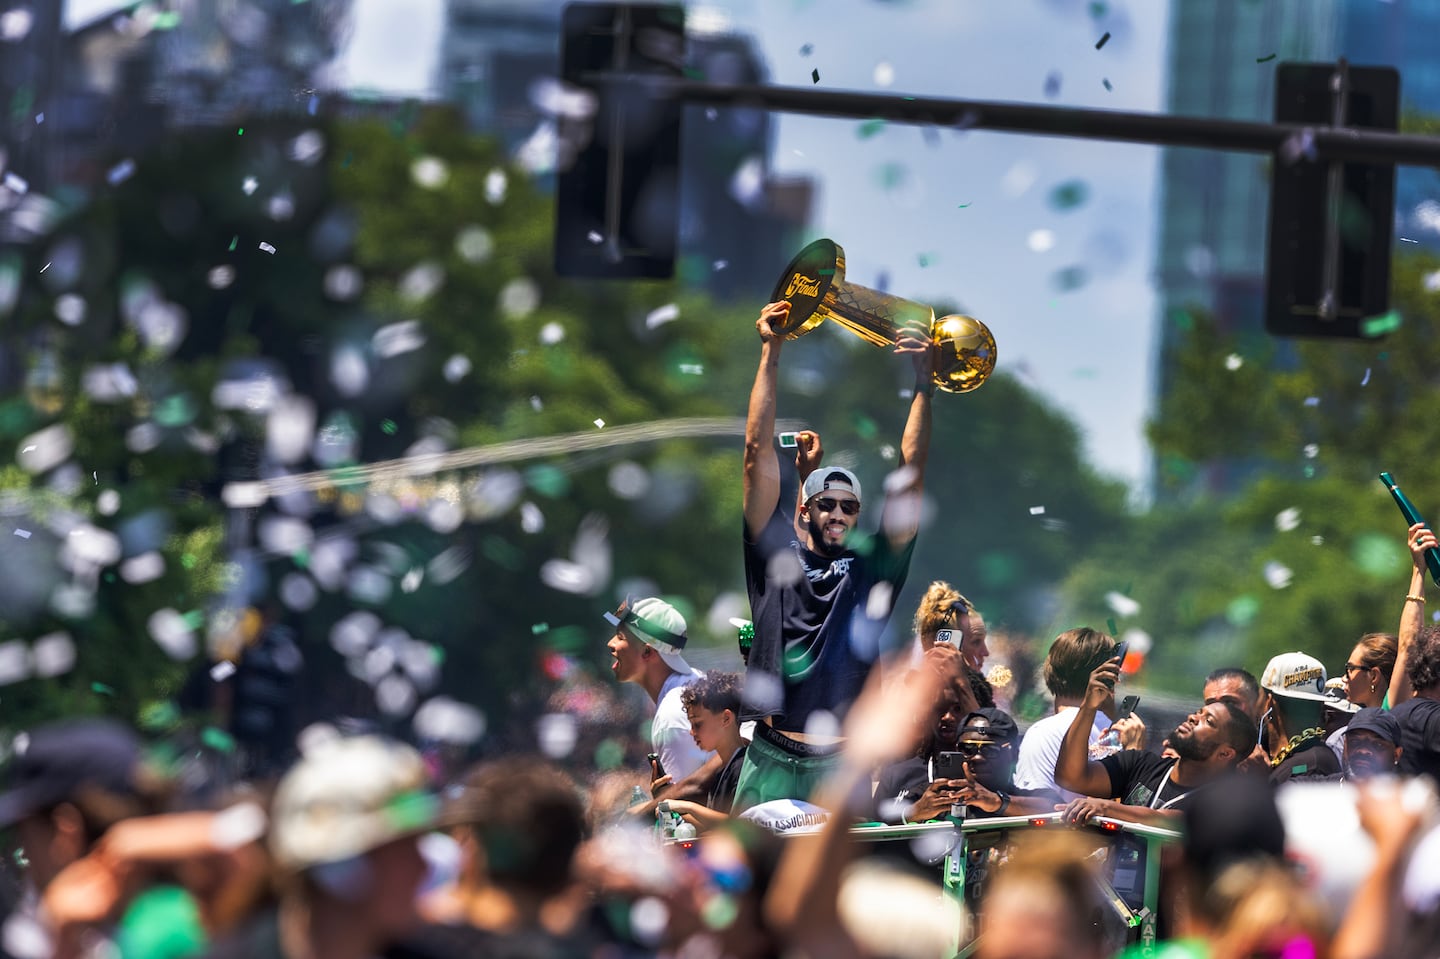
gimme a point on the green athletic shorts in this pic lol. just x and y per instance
(778, 767)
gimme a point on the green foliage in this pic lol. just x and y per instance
(416, 208)
(1308, 551)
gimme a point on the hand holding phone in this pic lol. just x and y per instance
(1127, 706)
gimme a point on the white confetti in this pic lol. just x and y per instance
(600, 424)
(1366, 380)
(1040, 241)
(594, 237)
(266, 247)
(120, 172)
(53, 655)
(145, 568)
(496, 185)
(430, 172)
(693, 369)
(16, 184)
(1278, 575)
(23, 533)
(1312, 450)
(222, 670)
(250, 185)
(1287, 519)
(1122, 605)
(551, 333)
(457, 368)
(719, 265)
(884, 74)
(1312, 401)
(1234, 361)
(556, 734)
(172, 634)
(1037, 511)
(661, 315)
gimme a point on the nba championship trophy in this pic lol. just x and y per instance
(814, 283)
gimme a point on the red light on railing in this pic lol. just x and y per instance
(1040, 821)
(1110, 826)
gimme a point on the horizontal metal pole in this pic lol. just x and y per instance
(1348, 144)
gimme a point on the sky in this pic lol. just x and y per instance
(1048, 241)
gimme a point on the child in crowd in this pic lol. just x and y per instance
(713, 707)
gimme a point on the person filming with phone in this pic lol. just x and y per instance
(969, 762)
(1141, 786)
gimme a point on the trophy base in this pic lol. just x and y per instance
(807, 283)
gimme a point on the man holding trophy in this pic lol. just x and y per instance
(819, 600)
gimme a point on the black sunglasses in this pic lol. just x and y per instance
(827, 504)
(972, 748)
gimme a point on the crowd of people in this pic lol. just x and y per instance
(742, 836)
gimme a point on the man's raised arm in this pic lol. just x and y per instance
(762, 468)
(901, 520)
(1073, 769)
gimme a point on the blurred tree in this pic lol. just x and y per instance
(307, 300)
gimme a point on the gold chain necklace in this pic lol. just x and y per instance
(1294, 744)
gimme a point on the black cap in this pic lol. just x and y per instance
(54, 763)
(1231, 819)
(1373, 719)
(1000, 728)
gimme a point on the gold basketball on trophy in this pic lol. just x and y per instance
(814, 283)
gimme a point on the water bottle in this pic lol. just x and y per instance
(637, 796)
(684, 831)
(665, 820)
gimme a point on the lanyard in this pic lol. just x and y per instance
(1161, 787)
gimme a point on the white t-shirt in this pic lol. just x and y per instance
(1040, 748)
(670, 731)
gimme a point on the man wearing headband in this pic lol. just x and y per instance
(820, 593)
(646, 650)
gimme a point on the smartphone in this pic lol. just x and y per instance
(1120, 650)
(789, 440)
(950, 766)
(948, 637)
(1127, 706)
(655, 764)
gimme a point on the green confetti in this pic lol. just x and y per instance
(1382, 324)
(1069, 279)
(1266, 59)
(388, 427)
(870, 127)
(610, 754)
(1097, 9)
(217, 739)
(537, 628)
(1099, 44)
(1114, 631)
(241, 133)
(1378, 557)
(234, 240)
(100, 689)
(189, 560)
(925, 259)
(964, 205)
(1242, 610)
(1069, 195)
(814, 76)
(1106, 81)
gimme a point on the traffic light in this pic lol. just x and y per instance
(617, 201)
(1357, 224)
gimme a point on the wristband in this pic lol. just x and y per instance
(1412, 598)
(1004, 802)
